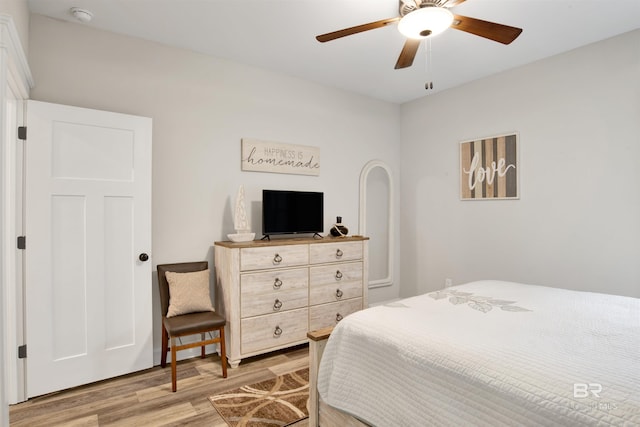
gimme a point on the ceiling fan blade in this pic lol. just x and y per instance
(490, 30)
(452, 3)
(408, 54)
(355, 30)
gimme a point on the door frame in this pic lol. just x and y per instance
(15, 81)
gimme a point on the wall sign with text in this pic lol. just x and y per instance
(276, 157)
(489, 168)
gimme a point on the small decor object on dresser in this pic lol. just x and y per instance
(243, 230)
(339, 230)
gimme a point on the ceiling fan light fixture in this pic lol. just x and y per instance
(425, 22)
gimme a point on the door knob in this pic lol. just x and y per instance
(143, 257)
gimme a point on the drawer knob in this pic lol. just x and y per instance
(277, 331)
(277, 305)
(339, 293)
(277, 283)
(339, 317)
(338, 275)
(277, 259)
(339, 253)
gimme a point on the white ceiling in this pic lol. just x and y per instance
(279, 35)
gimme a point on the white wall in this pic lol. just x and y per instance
(577, 223)
(201, 108)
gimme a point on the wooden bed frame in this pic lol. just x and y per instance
(319, 412)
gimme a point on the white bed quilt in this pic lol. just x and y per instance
(488, 353)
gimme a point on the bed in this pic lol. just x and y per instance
(484, 353)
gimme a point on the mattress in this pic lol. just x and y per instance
(488, 353)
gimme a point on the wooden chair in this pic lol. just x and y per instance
(187, 324)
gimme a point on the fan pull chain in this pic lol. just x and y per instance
(428, 65)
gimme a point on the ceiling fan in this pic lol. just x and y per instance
(420, 19)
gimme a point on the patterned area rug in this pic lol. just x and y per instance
(278, 401)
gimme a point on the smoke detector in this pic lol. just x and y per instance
(82, 15)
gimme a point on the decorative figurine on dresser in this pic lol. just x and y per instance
(276, 291)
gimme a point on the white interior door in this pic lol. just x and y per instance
(88, 217)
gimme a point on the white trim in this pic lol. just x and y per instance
(385, 281)
(17, 60)
(15, 83)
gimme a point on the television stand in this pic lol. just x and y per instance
(274, 292)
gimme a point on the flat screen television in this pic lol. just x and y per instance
(290, 212)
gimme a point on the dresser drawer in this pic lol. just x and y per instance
(321, 294)
(265, 282)
(335, 274)
(273, 330)
(320, 253)
(274, 302)
(273, 257)
(322, 316)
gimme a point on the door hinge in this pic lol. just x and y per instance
(22, 351)
(22, 242)
(22, 133)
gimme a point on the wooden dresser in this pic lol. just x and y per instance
(274, 292)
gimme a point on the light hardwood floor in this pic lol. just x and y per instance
(145, 398)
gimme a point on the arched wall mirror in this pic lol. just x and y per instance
(376, 220)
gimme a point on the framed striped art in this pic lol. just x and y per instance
(489, 168)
